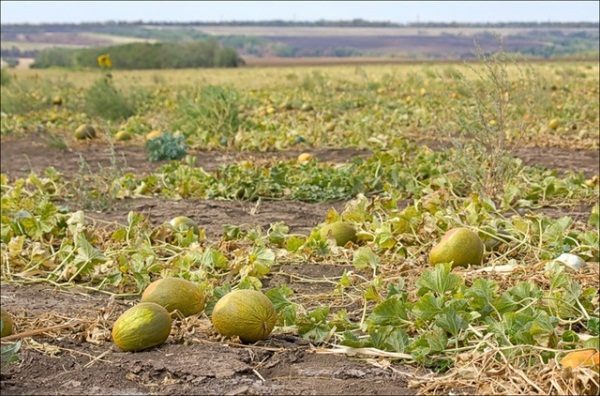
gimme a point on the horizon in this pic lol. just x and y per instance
(397, 12)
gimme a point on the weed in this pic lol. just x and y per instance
(492, 95)
(104, 100)
(209, 114)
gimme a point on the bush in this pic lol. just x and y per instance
(166, 147)
(104, 100)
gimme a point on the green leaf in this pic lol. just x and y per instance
(314, 325)
(432, 341)
(481, 295)
(213, 258)
(286, 310)
(439, 280)
(390, 312)
(451, 321)
(364, 258)
(593, 325)
(428, 306)
(389, 338)
(294, 243)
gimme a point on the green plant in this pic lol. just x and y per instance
(104, 100)
(209, 115)
(167, 146)
(5, 77)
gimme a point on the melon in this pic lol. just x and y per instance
(153, 135)
(182, 223)
(341, 231)
(141, 327)
(460, 246)
(7, 323)
(305, 157)
(554, 124)
(122, 136)
(247, 314)
(57, 100)
(176, 294)
(85, 132)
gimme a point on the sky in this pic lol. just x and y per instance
(393, 11)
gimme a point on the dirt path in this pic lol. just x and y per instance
(192, 361)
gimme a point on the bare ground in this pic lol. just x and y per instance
(194, 360)
(21, 155)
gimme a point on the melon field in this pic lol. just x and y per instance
(377, 229)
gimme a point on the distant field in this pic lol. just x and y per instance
(267, 31)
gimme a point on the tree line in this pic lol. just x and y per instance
(206, 53)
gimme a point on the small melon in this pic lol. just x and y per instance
(122, 136)
(181, 223)
(85, 131)
(248, 314)
(57, 100)
(305, 157)
(342, 232)
(141, 327)
(553, 124)
(175, 294)
(460, 246)
(7, 323)
(153, 135)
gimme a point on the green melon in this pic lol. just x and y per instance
(122, 136)
(460, 246)
(85, 132)
(176, 294)
(342, 232)
(7, 323)
(181, 223)
(247, 314)
(141, 327)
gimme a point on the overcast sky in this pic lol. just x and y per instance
(394, 11)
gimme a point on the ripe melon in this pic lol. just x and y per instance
(182, 223)
(460, 246)
(153, 135)
(248, 314)
(176, 294)
(7, 323)
(341, 231)
(305, 157)
(141, 327)
(85, 132)
(57, 100)
(122, 136)
(554, 124)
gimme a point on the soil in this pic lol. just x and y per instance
(21, 155)
(212, 215)
(70, 361)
